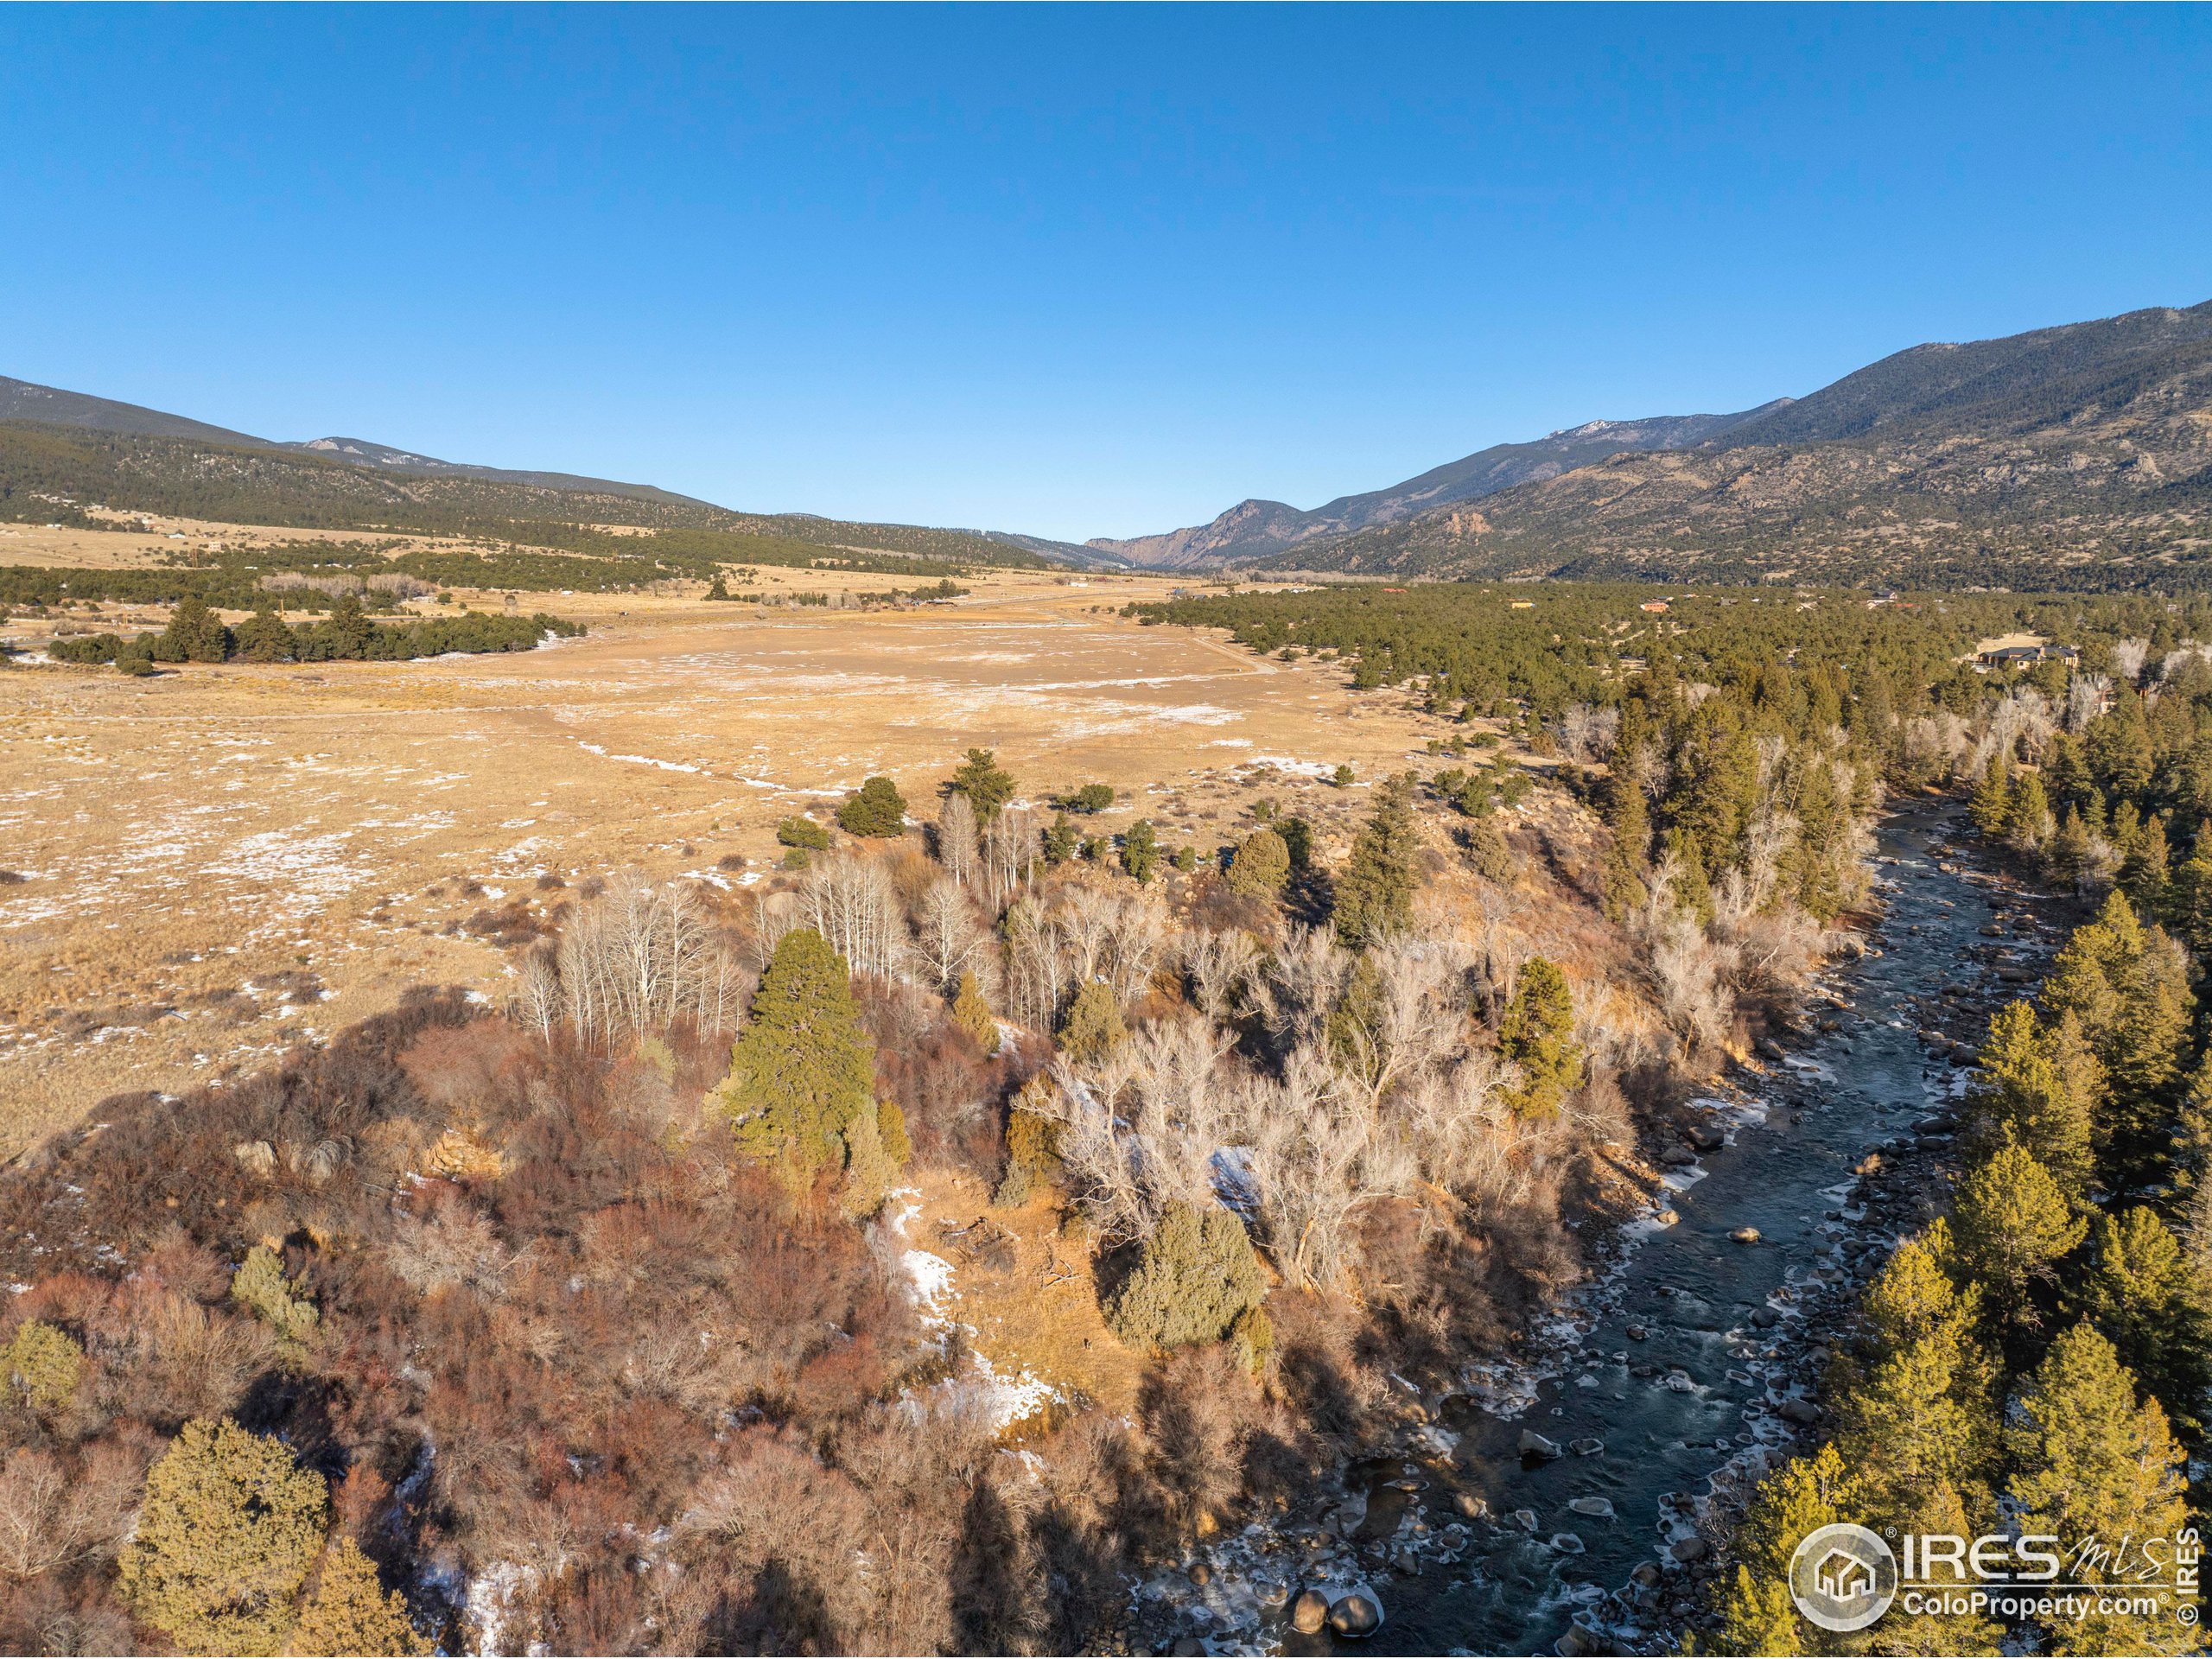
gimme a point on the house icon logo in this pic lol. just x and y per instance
(1843, 1578)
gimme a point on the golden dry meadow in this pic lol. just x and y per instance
(222, 861)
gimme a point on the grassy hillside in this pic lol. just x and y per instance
(532, 535)
(2078, 457)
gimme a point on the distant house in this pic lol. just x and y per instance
(1521, 604)
(1656, 606)
(2027, 656)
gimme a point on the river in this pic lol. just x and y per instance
(1684, 1362)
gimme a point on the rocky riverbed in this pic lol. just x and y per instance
(1569, 1499)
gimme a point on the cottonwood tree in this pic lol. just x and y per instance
(958, 849)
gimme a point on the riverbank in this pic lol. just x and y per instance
(1569, 1498)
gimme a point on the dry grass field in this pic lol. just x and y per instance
(222, 861)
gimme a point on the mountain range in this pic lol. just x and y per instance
(1257, 529)
(2069, 456)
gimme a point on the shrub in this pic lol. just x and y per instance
(42, 1365)
(1032, 1155)
(261, 1287)
(1487, 851)
(1195, 1277)
(350, 1612)
(231, 1525)
(1261, 865)
(1093, 1026)
(876, 808)
(1298, 841)
(803, 834)
(973, 1014)
(1092, 797)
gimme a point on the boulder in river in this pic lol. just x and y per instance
(1588, 1446)
(1803, 1413)
(1525, 1519)
(1309, 1612)
(1568, 1544)
(1637, 1333)
(1706, 1137)
(1533, 1445)
(1201, 1574)
(1692, 1548)
(1356, 1614)
(1470, 1506)
(1765, 1318)
(1601, 1508)
(1745, 1234)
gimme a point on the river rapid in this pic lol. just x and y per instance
(1693, 1361)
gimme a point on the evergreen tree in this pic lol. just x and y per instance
(195, 634)
(262, 1286)
(1261, 865)
(973, 1014)
(1537, 1034)
(2091, 1464)
(2146, 874)
(1802, 1497)
(891, 1130)
(804, 1068)
(1093, 1026)
(347, 634)
(1375, 894)
(1991, 804)
(2071, 849)
(1062, 839)
(1195, 1277)
(351, 1612)
(263, 638)
(40, 1366)
(2040, 1089)
(1692, 891)
(869, 1169)
(2144, 1297)
(230, 1526)
(2027, 815)
(875, 809)
(2189, 896)
(1140, 850)
(1917, 1412)
(985, 785)
(2012, 1224)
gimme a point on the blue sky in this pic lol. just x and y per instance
(1080, 271)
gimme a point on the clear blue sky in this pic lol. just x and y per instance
(1080, 271)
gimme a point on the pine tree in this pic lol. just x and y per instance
(230, 1526)
(2012, 1224)
(350, 1612)
(2040, 1089)
(876, 808)
(1693, 893)
(1537, 1034)
(2070, 849)
(804, 1068)
(985, 785)
(1918, 1411)
(1062, 838)
(1260, 865)
(1093, 1026)
(195, 634)
(262, 1286)
(1940, 1511)
(973, 1014)
(1802, 1497)
(1375, 894)
(2143, 1294)
(1991, 804)
(2093, 1464)
(2027, 815)
(263, 638)
(1140, 850)
(2189, 896)
(2146, 875)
